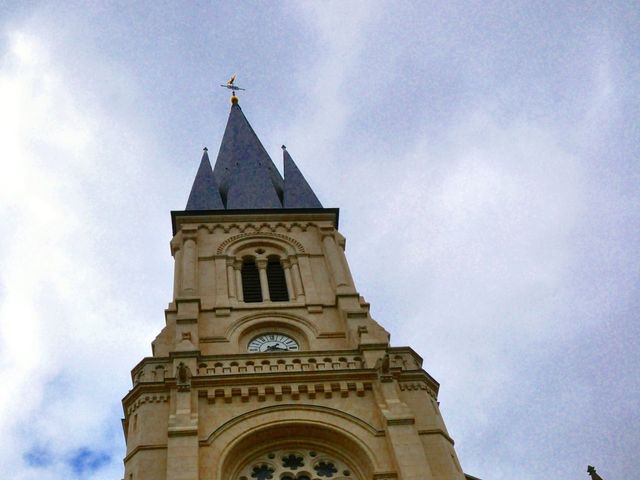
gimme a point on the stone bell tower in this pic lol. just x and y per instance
(269, 365)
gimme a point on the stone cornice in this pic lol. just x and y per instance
(403, 367)
(144, 447)
(436, 431)
(180, 217)
(241, 384)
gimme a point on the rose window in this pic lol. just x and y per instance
(325, 469)
(262, 472)
(296, 464)
(292, 461)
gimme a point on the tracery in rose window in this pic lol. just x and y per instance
(296, 464)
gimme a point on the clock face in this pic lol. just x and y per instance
(272, 342)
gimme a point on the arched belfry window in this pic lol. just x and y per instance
(250, 281)
(276, 280)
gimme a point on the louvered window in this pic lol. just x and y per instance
(277, 282)
(251, 281)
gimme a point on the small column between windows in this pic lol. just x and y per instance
(297, 279)
(264, 282)
(237, 266)
(231, 278)
(286, 265)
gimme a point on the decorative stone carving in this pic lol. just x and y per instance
(291, 241)
(183, 377)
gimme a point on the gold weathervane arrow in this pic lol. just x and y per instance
(230, 84)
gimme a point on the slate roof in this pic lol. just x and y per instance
(244, 176)
(204, 192)
(297, 191)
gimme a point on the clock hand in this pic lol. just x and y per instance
(272, 348)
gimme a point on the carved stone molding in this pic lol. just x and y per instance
(285, 391)
(385, 476)
(223, 246)
(408, 386)
(252, 227)
(155, 398)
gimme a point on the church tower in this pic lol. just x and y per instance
(269, 365)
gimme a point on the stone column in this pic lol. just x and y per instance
(237, 266)
(189, 265)
(177, 269)
(297, 279)
(286, 265)
(332, 254)
(231, 277)
(264, 282)
(307, 279)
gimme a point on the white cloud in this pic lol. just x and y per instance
(493, 242)
(323, 86)
(58, 302)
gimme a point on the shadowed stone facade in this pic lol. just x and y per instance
(341, 404)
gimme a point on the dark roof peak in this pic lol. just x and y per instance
(204, 192)
(245, 177)
(297, 191)
(243, 162)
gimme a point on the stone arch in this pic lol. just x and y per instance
(339, 434)
(235, 243)
(301, 328)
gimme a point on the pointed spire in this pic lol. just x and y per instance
(245, 165)
(244, 176)
(204, 192)
(297, 192)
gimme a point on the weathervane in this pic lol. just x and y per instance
(230, 84)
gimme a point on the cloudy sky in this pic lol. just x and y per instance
(484, 155)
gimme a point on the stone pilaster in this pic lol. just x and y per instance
(189, 264)
(403, 437)
(335, 265)
(182, 442)
(222, 287)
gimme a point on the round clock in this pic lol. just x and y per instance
(272, 342)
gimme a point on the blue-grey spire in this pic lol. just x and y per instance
(244, 176)
(250, 187)
(297, 192)
(204, 192)
(244, 172)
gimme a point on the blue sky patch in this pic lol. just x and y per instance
(87, 460)
(38, 457)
